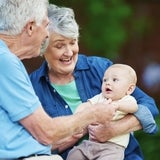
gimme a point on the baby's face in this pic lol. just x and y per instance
(115, 83)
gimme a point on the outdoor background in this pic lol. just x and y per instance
(125, 32)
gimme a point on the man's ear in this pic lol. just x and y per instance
(131, 89)
(29, 27)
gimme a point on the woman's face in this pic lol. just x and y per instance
(62, 54)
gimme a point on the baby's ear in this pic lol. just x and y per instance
(131, 89)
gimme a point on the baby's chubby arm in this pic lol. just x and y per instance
(128, 104)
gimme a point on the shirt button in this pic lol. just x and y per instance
(66, 106)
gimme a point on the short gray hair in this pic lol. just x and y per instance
(62, 21)
(14, 14)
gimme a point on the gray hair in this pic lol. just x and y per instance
(62, 21)
(14, 14)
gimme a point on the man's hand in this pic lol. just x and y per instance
(67, 142)
(104, 112)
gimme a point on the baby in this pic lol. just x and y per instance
(119, 82)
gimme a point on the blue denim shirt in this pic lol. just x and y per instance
(88, 75)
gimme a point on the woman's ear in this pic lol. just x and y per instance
(131, 89)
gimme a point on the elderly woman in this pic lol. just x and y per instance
(66, 79)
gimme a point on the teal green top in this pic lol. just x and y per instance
(69, 93)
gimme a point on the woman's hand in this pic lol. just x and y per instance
(103, 132)
(100, 132)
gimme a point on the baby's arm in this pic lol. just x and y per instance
(128, 104)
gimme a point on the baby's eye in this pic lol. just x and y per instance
(104, 80)
(115, 79)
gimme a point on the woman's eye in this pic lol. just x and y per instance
(59, 46)
(72, 43)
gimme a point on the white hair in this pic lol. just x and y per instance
(14, 14)
(62, 21)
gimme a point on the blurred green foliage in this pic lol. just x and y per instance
(103, 30)
(149, 143)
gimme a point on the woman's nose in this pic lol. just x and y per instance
(68, 51)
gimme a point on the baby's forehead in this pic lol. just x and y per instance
(117, 70)
(122, 70)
